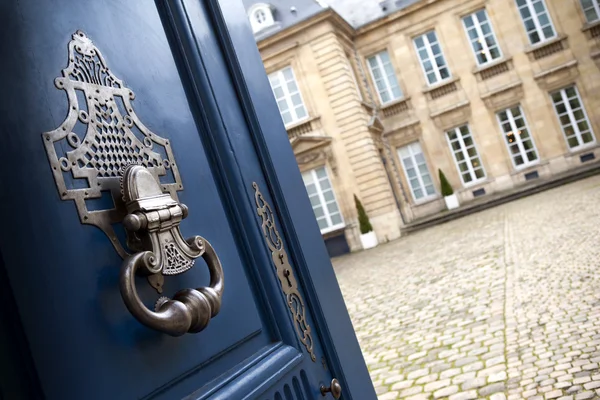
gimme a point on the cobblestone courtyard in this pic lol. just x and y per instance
(503, 304)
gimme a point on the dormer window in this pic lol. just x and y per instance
(261, 16)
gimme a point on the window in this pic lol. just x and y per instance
(416, 171)
(384, 77)
(322, 199)
(591, 9)
(482, 38)
(573, 118)
(465, 155)
(517, 137)
(260, 16)
(536, 19)
(431, 57)
(287, 94)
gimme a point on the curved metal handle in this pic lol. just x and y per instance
(335, 389)
(153, 228)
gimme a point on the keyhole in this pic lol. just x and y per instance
(286, 273)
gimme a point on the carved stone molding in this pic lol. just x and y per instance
(410, 132)
(558, 76)
(504, 96)
(452, 116)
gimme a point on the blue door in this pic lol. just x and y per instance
(156, 239)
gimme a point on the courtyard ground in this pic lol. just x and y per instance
(502, 304)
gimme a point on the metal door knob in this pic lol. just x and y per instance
(335, 389)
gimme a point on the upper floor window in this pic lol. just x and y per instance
(573, 118)
(260, 16)
(384, 77)
(431, 57)
(536, 20)
(287, 94)
(591, 9)
(482, 38)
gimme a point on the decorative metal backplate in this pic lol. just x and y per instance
(285, 273)
(100, 136)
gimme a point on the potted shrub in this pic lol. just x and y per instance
(367, 236)
(447, 191)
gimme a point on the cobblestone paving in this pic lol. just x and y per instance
(503, 304)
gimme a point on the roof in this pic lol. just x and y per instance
(356, 12)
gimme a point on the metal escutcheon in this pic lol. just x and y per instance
(152, 223)
(334, 388)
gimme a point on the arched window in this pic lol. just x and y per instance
(261, 16)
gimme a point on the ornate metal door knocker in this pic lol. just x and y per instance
(102, 150)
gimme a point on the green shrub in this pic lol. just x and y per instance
(363, 218)
(446, 188)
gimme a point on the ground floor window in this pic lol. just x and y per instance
(572, 117)
(320, 192)
(517, 137)
(417, 173)
(465, 154)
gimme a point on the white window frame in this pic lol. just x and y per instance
(595, 6)
(572, 120)
(252, 16)
(287, 95)
(481, 37)
(431, 57)
(519, 142)
(536, 21)
(466, 157)
(384, 75)
(426, 197)
(322, 202)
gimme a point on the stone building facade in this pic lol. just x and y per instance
(377, 97)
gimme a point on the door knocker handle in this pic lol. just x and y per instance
(152, 225)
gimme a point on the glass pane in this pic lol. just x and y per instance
(311, 189)
(583, 126)
(543, 20)
(282, 104)
(556, 97)
(534, 37)
(419, 158)
(459, 156)
(472, 152)
(451, 135)
(527, 145)
(560, 108)
(318, 211)
(574, 103)
(444, 73)
(372, 62)
(292, 86)
(426, 179)
(532, 156)
(538, 6)
(495, 52)
(467, 177)
(408, 163)
(419, 41)
(314, 200)
(430, 190)
(485, 28)
(414, 183)
(296, 100)
(418, 193)
(569, 131)
(300, 112)
(321, 173)
(278, 92)
(548, 31)
(427, 66)
(578, 114)
(332, 207)
(411, 172)
(463, 167)
(423, 54)
(481, 16)
(456, 146)
(431, 37)
(479, 173)
(519, 160)
(502, 115)
(468, 20)
(325, 184)
(286, 117)
(564, 120)
(514, 149)
(435, 49)
(573, 142)
(423, 169)
(468, 141)
(591, 15)
(384, 56)
(439, 61)
(473, 34)
(587, 137)
(431, 78)
(322, 223)
(287, 74)
(336, 219)
(328, 195)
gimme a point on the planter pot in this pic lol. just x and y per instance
(451, 201)
(368, 240)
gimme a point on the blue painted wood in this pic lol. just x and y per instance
(195, 82)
